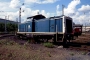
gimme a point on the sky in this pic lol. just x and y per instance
(78, 10)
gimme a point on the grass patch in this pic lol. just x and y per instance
(26, 44)
(6, 42)
(84, 53)
(10, 55)
(0, 55)
(49, 54)
(72, 54)
(11, 43)
(29, 41)
(3, 42)
(49, 45)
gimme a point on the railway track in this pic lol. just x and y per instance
(6, 35)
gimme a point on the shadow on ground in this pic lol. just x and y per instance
(74, 44)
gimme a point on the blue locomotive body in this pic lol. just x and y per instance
(47, 25)
(43, 25)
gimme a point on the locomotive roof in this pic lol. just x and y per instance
(36, 17)
(61, 17)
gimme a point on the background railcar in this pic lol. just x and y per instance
(77, 30)
(58, 27)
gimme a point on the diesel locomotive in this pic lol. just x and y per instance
(40, 27)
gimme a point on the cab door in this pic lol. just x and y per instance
(52, 25)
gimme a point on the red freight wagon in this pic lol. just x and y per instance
(77, 30)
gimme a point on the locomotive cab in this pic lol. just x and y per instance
(68, 27)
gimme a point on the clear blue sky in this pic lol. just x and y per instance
(52, 6)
